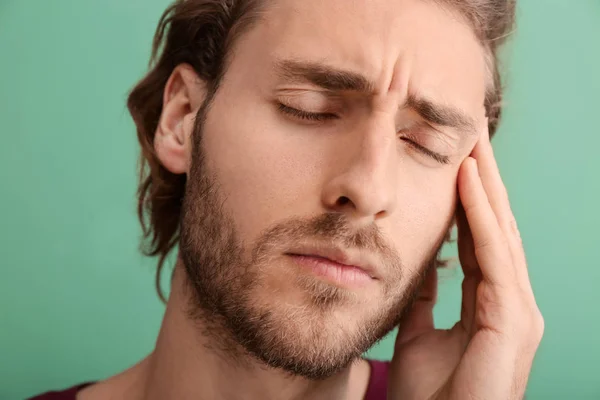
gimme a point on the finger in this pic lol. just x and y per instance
(492, 181)
(498, 198)
(466, 248)
(419, 318)
(490, 247)
(469, 303)
(471, 271)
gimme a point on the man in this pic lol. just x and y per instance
(309, 158)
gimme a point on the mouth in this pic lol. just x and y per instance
(335, 265)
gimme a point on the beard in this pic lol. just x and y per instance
(240, 293)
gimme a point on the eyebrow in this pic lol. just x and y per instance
(444, 115)
(321, 75)
(338, 80)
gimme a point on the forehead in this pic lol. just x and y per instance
(414, 45)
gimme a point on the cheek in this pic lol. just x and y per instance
(425, 208)
(266, 172)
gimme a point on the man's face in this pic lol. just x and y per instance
(321, 141)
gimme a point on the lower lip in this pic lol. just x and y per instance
(345, 275)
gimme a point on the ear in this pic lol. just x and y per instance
(183, 95)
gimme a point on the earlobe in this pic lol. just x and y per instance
(183, 95)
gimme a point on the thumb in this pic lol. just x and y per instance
(419, 318)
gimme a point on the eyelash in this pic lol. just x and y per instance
(319, 117)
(310, 116)
(437, 157)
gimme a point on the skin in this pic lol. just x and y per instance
(271, 166)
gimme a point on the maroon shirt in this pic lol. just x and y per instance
(375, 391)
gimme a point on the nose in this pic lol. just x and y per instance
(364, 186)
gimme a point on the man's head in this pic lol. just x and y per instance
(278, 129)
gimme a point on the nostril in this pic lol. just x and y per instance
(343, 200)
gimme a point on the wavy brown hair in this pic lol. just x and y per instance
(201, 33)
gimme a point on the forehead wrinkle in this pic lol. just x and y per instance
(352, 56)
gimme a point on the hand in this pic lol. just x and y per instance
(488, 354)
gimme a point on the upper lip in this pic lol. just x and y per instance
(358, 259)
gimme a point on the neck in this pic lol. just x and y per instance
(188, 363)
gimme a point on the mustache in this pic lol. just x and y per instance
(331, 228)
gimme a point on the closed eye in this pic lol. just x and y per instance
(306, 115)
(319, 117)
(432, 154)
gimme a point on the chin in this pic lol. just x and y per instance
(320, 315)
(310, 343)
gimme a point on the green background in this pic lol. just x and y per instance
(77, 300)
